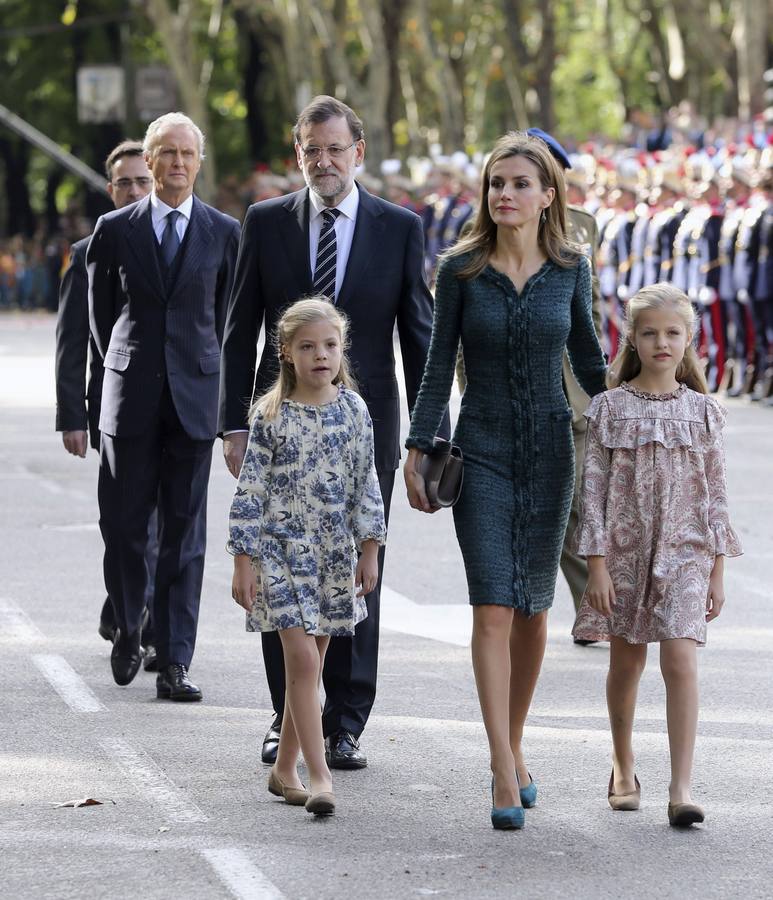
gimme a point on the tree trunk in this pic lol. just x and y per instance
(545, 64)
(175, 31)
(394, 16)
(750, 39)
(442, 81)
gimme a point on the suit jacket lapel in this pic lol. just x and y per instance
(294, 234)
(198, 237)
(142, 242)
(368, 230)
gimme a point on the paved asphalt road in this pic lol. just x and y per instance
(185, 811)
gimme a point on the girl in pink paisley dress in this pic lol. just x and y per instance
(655, 530)
(307, 499)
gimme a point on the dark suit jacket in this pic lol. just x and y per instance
(383, 285)
(145, 332)
(73, 345)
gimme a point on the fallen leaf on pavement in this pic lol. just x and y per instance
(86, 801)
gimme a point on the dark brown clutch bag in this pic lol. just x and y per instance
(443, 473)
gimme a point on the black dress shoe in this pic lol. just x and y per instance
(150, 658)
(126, 657)
(106, 631)
(581, 642)
(271, 742)
(342, 751)
(172, 683)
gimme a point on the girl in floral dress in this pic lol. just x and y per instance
(655, 530)
(306, 501)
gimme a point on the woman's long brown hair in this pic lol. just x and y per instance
(481, 240)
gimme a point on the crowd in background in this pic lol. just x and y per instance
(679, 201)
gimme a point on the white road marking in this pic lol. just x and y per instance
(242, 878)
(67, 683)
(16, 626)
(76, 526)
(55, 488)
(27, 382)
(447, 622)
(151, 781)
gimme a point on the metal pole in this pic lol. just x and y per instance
(93, 179)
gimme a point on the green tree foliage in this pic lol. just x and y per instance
(424, 74)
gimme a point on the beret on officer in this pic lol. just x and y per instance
(555, 148)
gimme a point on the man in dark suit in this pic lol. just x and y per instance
(365, 254)
(160, 273)
(77, 401)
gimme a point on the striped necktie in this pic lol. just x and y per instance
(325, 269)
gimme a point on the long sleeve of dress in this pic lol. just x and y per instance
(590, 536)
(726, 541)
(366, 505)
(441, 360)
(249, 502)
(585, 354)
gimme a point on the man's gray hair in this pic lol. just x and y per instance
(167, 120)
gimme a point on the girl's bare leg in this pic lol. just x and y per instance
(491, 626)
(626, 664)
(303, 666)
(528, 636)
(678, 665)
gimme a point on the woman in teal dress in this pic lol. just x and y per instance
(517, 294)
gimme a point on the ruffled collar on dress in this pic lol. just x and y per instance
(645, 395)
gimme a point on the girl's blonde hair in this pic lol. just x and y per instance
(481, 240)
(627, 364)
(303, 312)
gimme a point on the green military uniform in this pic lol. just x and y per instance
(581, 229)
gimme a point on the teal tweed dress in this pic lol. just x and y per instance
(514, 425)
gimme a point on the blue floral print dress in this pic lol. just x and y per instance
(307, 498)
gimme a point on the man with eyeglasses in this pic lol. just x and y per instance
(366, 255)
(77, 402)
(160, 274)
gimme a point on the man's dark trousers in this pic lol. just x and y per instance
(165, 466)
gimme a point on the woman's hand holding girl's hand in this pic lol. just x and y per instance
(600, 590)
(244, 586)
(414, 482)
(366, 576)
(715, 598)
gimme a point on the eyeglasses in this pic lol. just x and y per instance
(124, 184)
(334, 152)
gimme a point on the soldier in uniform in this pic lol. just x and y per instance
(443, 204)
(667, 199)
(615, 261)
(644, 213)
(734, 316)
(744, 276)
(762, 293)
(703, 277)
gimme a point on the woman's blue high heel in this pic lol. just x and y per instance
(506, 817)
(528, 793)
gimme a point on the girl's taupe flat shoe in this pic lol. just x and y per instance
(623, 802)
(293, 796)
(321, 804)
(683, 815)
